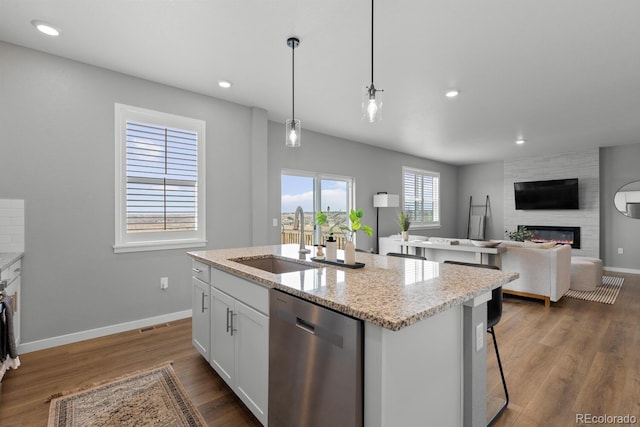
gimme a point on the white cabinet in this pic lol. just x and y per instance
(222, 330)
(240, 339)
(200, 317)
(252, 359)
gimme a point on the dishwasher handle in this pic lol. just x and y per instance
(305, 326)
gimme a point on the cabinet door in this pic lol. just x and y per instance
(222, 351)
(200, 317)
(252, 359)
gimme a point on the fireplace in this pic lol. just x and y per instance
(562, 234)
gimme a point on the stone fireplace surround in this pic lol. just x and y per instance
(583, 165)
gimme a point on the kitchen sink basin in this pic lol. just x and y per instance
(274, 264)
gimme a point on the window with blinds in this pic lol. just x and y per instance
(160, 180)
(421, 196)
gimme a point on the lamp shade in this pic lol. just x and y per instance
(386, 200)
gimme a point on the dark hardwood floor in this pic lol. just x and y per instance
(43, 373)
(573, 357)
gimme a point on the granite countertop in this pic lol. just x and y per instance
(390, 292)
(8, 258)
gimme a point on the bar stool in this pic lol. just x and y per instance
(494, 314)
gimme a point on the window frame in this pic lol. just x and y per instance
(155, 240)
(437, 201)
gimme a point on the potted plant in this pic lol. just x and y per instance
(405, 223)
(355, 217)
(333, 220)
(521, 234)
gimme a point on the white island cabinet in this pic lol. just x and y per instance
(240, 338)
(424, 330)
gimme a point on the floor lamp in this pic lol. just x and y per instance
(383, 200)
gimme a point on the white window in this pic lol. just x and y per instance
(421, 197)
(159, 180)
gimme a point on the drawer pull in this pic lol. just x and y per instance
(196, 270)
(17, 270)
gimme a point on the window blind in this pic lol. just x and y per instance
(162, 178)
(421, 196)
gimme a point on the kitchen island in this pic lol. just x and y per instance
(424, 327)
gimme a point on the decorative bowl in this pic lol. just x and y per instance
(486, 243)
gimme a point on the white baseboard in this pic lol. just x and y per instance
(100, 332)
(622, 270)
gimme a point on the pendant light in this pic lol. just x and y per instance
(372, 102)
(293, 129)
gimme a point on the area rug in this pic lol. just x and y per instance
(145, 398)
(605, 293)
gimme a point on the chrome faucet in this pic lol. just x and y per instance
(298, 222)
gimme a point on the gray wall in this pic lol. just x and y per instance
(480, 181)
(584, 166)
(57, 152)
(618, 166)
(373, 169)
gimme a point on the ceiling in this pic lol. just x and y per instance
(564, 75)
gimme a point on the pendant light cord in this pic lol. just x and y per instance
(293, 82)
(371, 42)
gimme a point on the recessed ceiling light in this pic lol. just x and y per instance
(225, 84)
(46, 28)
(520, 141)
(452, 93)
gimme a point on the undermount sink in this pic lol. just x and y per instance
(274, 264)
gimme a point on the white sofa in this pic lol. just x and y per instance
(544, 273)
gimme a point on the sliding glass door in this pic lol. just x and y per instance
(314, 192)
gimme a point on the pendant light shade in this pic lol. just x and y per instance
(293, 129)
(293, 133)
(372, 101)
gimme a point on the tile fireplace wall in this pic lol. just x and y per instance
(585, 167)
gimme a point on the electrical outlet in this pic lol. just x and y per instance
(164, 283)
(275, 222)
(620, 251)
(480, 336)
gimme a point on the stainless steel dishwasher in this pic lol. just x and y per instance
(315, 365)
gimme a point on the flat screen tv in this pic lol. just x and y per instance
(553, 194)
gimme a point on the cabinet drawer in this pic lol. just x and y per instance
(201, 271)
(11, 272)
(252, 294)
